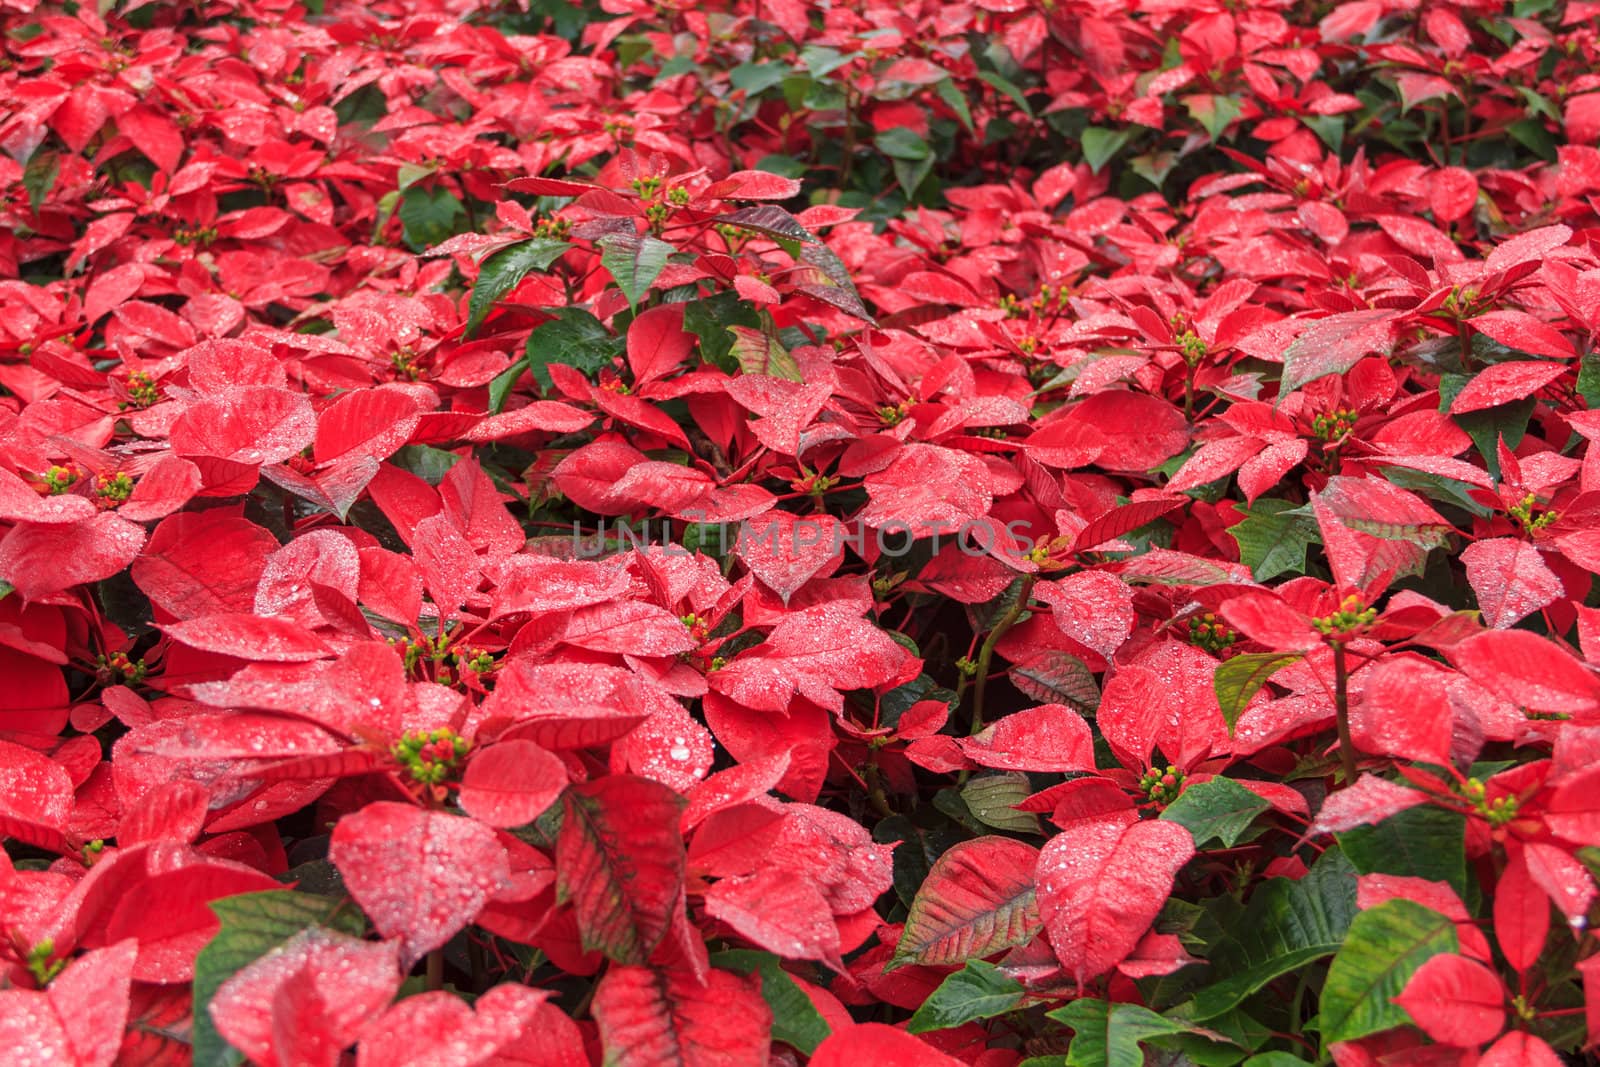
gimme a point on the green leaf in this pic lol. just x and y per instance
(39, 177)
(1438, 487)
(795, 1019)
(956, 101)
(386, 205)
(1276, 1059)
(1385, 946)
(710, 319)
(1239, 679)
(574, 338)
(1538, 103)
(634, 262)
(1328, 128)
(1288, 924)
(758, 353)
(426, 462)
(1423, 842)
(899, 142)
(991, 799)
(1589, 379)
(1273, 538)
(254, 924)
(912, 173)
(978, 991)
(501, 384)
(1007, 87)
(410, 174)
(756, 78)
(429, 216)
(501, 272)
(1108, 1035)
(1532, 135)
(787, 166)
(1214, 112)
(1217, 808)
(1055, 677)
(1100, 144)
(820, 61)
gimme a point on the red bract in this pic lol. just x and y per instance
(776, 533)
(1101, 884)
(420, 875)
(1456, 1001)
(80, 1019)
(307, 1000)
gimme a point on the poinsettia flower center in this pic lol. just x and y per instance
(58, 480)
(118, 669)
(1334, 426)
(113, 489)
(142, 391)
(1496, 811)
(1161, 785)
(1528, 515)
(1211, 633)
(1353, 616)
(431, 756)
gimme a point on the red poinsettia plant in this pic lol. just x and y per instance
(1001, 533)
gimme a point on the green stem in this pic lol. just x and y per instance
(1341, 705)
(980, 678)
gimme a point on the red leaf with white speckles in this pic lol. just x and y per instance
(511, 783)
(1528, 670)
(813, 654)
(1511, 579)
(40, 559)
(1504, 383)
(251, 637)
(1101, 885)
(367, 422)
(785, 551)
(778, 912)
(307, 1000)
(1456, 1001)
(35, 796)
(1334, 344)
(438, 1029)
(1368, 801)
(1091, 607)
(252, 425)
(1520, 1049)
(1050, 737)
(79, 1020)
(419, 875)
(880, 1045)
